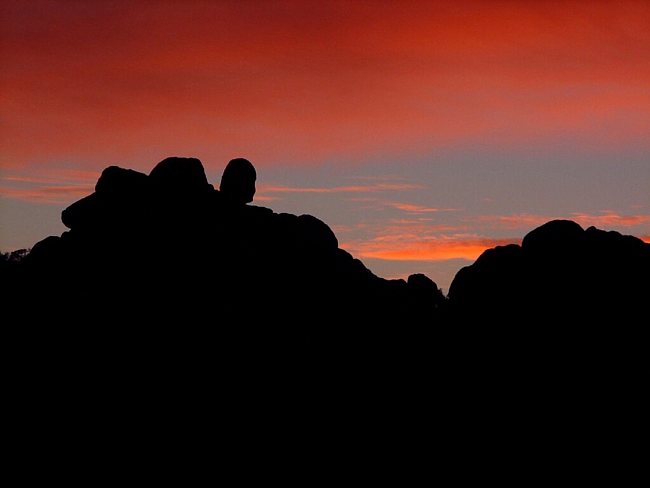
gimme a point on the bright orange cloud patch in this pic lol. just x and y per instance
(418, 240)
(398, 249)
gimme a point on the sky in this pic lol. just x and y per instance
(422, 132)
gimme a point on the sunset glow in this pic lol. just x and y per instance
(428, 250)
(422, 131)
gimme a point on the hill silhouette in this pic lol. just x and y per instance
(168, 245)
(561, 273)
(156, 254)
(566, 309)
(167, 291)
(174, 238)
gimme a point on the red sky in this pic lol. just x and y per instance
(337, 90)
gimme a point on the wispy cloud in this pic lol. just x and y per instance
(265, 198)
(430, 249)
(410, 221)
(53, 186)
(47, 194)
(25, 179)
(361, 199)
(369, 188)
(384, 177)
(356, 193)
(413, 239)
(52, 176)
(418, 209)
(516, 221)
(606, 219)
(610, 219)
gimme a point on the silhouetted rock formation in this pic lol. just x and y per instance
(141, 241)
(561, 274)
(167, 292)
(562, 315)
(557, 326)
(238, 181)
(168, 246)
(181, 176)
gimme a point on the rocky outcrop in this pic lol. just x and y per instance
(561, 274)
(170, 245)
(167, 292)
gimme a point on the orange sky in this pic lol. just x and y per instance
(308, 81)
(335, 89)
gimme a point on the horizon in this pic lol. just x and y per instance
(421, 134)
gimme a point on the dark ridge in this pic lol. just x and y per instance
(565, 312)
(169, 252)
(166, 290)
(561, 275)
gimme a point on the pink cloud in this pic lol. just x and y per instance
(604, 220)
(52, 186)
(265, 190)
(47, 194)
(389, 178)
(610, 219)
(49, 176)
(361, 199)
(418, 209)
(265, 198)
(412, 208)
(370, 188)
(516, 221)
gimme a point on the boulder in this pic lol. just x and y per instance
(118, 181)
(180, 175)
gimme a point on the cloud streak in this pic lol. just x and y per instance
(371, 188)
(273, 192)
(417, 240)
(432, 249)
(51, 186)
(610, 219)
(47, 194)
(606, 220)
(418, 209)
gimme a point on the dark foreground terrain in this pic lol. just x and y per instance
(166, 291)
